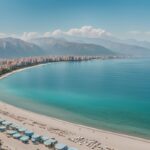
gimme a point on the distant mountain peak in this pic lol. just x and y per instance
(12, 47)
(60, 46)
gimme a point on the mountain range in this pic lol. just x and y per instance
(55, 46)
(13, 48)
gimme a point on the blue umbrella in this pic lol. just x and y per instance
(47, 143)
(22, 129)
(17, 136)
(2, 128)
(44, 138)
(29, 133)
(61, 146)
(1, 120)
(72, 148)
(14, 126)
(36, 136)
(6, 123)
(24, 138)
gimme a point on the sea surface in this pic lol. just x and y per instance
(106, 94)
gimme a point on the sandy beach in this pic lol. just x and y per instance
(81, 137)
(65, 132)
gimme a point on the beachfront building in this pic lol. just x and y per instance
(8, 65)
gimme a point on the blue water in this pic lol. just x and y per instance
(109, 94)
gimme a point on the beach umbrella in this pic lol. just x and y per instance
(18, 127)
(22, 129)
(2, 128)
(29, 133)
(11, 132)
(6, 123)
(14, 126)
(47, 143)
(17, 136)
(44, 138)
(72, 148)
(36, 136)
(61, 146)
(53, 141)
(24, 139)
(33, 140)
(2, 120)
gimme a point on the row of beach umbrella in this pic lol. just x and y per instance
(18, 132)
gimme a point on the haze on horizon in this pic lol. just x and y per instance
(28, 19)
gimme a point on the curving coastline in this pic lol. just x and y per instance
(10, 65)
(18, 70)
(70, 130)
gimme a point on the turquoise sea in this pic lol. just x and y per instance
(106, 94)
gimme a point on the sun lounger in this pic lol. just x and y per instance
(25, 139)
(17, 136)
(61, 146)
(2, 128)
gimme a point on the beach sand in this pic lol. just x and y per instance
(81, 137)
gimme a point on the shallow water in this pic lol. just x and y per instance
(109, 94)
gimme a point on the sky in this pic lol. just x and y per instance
(120, 18)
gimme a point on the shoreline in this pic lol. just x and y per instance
(41, 64)
(79, 125)
(19, 70)
(89, 131)
(30, 120)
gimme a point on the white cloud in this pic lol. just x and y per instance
(3, 35)
(58, 32)
(84, 31)
(24, 36)
(137, 32)
(134, 32)
(88, 31)
(47, 34)
(148, 32)
(29, 35)
(54, 33)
